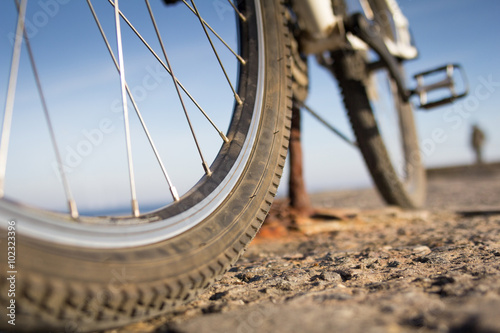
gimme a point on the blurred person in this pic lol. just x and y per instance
(477, 142)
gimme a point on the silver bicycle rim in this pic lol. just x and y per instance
(131, 232)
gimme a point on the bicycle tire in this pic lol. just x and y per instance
(69, 288)
(350, 71)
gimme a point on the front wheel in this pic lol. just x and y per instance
(391, 153)
(96, 271)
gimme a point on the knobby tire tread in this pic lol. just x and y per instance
(370, 141)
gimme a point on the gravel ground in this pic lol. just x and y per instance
(378, 270)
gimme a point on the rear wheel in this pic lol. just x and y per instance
(391, 152)
(89, 271)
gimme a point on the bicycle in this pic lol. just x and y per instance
(76, 264)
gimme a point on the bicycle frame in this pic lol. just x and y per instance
(325, 31)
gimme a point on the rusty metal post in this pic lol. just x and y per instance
(299, 198)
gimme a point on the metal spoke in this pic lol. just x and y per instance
(69, 197)
(121, 65)
(222, 135)
(11, 92)
(243, 18)
(203, 162)
(238, 99)
(329, 126)
(172, 188)
(240, 59)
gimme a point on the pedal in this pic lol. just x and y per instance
(435, 90)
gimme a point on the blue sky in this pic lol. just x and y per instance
(462, 31)
(89, 127)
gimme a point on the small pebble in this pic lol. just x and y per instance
(330, 276)
(394, 263)
(421, 250)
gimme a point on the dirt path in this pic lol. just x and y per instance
(381, 270)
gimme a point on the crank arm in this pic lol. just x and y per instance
(361, 27)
